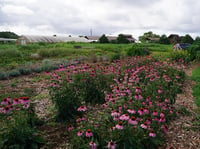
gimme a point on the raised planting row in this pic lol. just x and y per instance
(127, 104)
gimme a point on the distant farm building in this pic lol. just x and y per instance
(7, 40)
(27, 39)
(129, 37)
(111, 38)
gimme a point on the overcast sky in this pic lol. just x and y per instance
(78, 17)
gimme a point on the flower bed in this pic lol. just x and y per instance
(139, 94)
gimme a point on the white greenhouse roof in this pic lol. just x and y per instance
(51, 39)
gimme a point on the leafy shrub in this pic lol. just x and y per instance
(24, 71)
(18, 127)
(66, 101)
(14, 73)
(194, 51)
(10, 53)
(37, 69)
(180, 54)
(47, 65)
(29, 47)
(3, 76)
(138, 51)
(115, 56)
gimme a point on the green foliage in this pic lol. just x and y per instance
(115, 56)
(10, 53)
(66, 101)
(37, 69)
(91, 88)
(103, 39)
(47, 65)
(196, 89)
(25, 71)
(180, 54)
(194, 51)
(187, 39)
(146, 35)
(29, 47)
(18, 130)
(122, 39)
(164, 40)
(3, 76)
(14, 73)
(136, 50)
(8, 34)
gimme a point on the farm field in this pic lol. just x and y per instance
(83, 96)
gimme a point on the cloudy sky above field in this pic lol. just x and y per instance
(78, 17)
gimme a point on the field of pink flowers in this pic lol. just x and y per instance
(126, 104)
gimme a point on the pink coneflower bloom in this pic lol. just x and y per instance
(124, 117)
(96, 125)
(133, 121)
(82, 108)
(162, 115)
(148, 99)
(25, 100)
(146, 110)
(152, 134)
(120, 126)
(137, 96)
(84, 118)
(26, 106)
(141, 111)
(80, 133)
(112, 128)
(105, 105)
(9, 99)
(4, 102)
(88, 133)
(70, 127)
(178, 77)
(138, 90)
(140, 96)
(115, 114)
(144, 126)
(162, 119)
(148, 121)
(152, 78)
(16, 101)
(165, 128)
(131, 111)
(112, 145)
(155, 113)
(125, 106)
(93, 145)
(47, 73)
(167, 100)
(7, 109)
(120, 108)
(160, 91)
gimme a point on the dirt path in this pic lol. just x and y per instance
(183, 134)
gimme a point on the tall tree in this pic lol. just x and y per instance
(187, 39)
(164, 40)
(146, 35)
(103, 39)
(122, 39)
(8, 34)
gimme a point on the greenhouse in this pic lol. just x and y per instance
(27, 39)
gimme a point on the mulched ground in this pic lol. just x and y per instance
(182, 134)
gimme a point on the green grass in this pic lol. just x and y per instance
(196, 89)
(13, 56)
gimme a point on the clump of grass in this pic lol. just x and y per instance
(196, 89)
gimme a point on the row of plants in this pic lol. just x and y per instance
(19, 124)
(126, 104)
